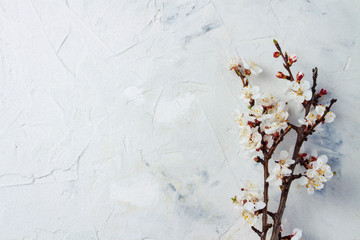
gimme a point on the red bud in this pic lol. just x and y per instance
(292, 59)
(299, 76)
(247, 72)
(276, 54)
(322, 92)
(280, 75)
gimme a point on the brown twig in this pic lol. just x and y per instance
(266, 189)
(314, 97)
(271, 214)
(285, 57)
(279, 140)
(257, 231)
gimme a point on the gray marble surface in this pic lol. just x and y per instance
(117, 117)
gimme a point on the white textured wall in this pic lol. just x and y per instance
(116, 117)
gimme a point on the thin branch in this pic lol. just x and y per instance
(278, 140)
(271, 214)
(259, 160)
(257, 231)
(314, 97)
(286, 61)
(296, 128)
(286, 237)
(292, 177)
(263, 144)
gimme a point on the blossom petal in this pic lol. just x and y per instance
(323, 159)
(249, 206)
(284, 154)
(297, 234)
(259, 205)
(329, 117)
(307, 95)
(304, 180)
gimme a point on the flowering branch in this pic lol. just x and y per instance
(263, 126)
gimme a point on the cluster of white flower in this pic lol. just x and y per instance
(265, 114)
(263, 125)
(244, 66)
(316, 174)
(281, 169)
(316, 114)
(249, 202)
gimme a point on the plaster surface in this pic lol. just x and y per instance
(117, 117)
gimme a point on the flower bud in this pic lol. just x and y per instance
(280, 75)
(292, 59)
(247, 72)
(299, 76)
(322, 92)
(276, 54)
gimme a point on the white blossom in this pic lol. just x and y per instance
(254, 142)
(329, 117)
(257, 111)
(266, 100)
(253, 67)
(277, 174)
(296, 234)
(277, 118)
(249, 201)
(241, 120)
(310, 119)
(281, 169)
(316, 174)
(250, 92)
(242, 64)
(301, 91)
(285, 159)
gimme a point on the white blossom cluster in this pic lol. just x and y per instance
(248, 202)
(264, 114)
(281, 168)
(317, 173)
(315, 114)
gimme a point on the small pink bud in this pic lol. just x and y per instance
(299, 76)
(280, 75)
(292, 59)
(322, 92)
(276, 54)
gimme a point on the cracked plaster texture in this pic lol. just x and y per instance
(117, 117)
